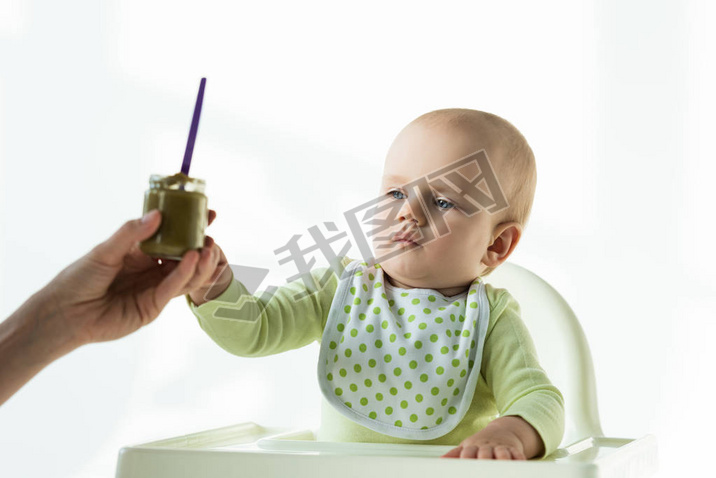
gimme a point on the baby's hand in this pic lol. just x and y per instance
(212, 258)
(495, 441)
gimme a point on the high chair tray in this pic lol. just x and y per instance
(250, 450)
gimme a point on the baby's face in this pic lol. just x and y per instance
(447, 263)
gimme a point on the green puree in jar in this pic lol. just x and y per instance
(183, 206)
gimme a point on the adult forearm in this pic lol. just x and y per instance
(30, 339)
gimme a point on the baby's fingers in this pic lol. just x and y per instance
(454, 453)
(205, 268)
(502, 453)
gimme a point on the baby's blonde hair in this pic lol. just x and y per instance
(516, 169)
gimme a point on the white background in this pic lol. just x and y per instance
(302, 101)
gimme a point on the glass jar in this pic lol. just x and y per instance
(185, 214)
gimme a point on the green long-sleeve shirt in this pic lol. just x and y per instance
(511, 381)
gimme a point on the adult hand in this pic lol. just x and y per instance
(110, 292)
(115, 289)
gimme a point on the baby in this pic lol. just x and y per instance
(416, 348)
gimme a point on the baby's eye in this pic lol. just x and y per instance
(394, 191)
(444, 204)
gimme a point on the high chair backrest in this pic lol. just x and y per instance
(561, 346)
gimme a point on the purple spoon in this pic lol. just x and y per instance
(194, 127)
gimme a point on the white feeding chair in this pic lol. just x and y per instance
(251, 450)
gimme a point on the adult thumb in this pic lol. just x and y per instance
(113, 250)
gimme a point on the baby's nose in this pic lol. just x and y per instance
(411, 210)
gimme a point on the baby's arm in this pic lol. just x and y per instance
(531, 422)
(265, 324)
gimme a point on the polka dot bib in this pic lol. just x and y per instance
(402, 362)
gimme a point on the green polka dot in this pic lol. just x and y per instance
(404, 404)
(384, 324)
(397, 371)
(467, 353)
(462, 318)
(379, 397)
(393, 391)
(354, 387)
(431, 298)
(373, 415)
(424, 377)
(438, 320)
(356, 301)
(463, 373)
(456, 392)
(371, 363)
(426, 311)
(444, 402)
(371, 276)
(452, 317)
(448, 332)
(413, 364)
(441, 308)
(362, 347)
(389, 411)
(377, 285)
(445, 349)
(451, 382)
(365, 287)
(428, 358)
(455, 347)
(354, 332)
(348, 352)
(353, 290)
(418, 398)
(416, 301)
(456, 303)
(401, 350)
(473, 291)
(398, 423)
(411, 318)
(408, 385)
(465, 333)
(413, 418)
(423, 326)
(343, 372)
(435, 390)
(370, 301)
(418, 344)
(393, 337)
(339, 392)
(401, 311)
(364, 401)
(439, 421)
(369, 328)
(329, 377)
(381, 378)
(407, 336)
(455, 363)
(376, 310)
(404, 294)
(332, 345)
(378, 343)
(434, 338)
(357, 368)
(387, 358)
(368, 382)
(361, 316)
(471, 363)
(335, 358)
(340, 327)
(360, 273)
(439, 370)
(429, 411)
(472, 344)
(342, 339)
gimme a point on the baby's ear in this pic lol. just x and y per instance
(507, 236)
